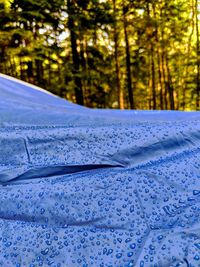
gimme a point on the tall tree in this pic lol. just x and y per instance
(71, 4)
(117, 68)
(197, 7)
(128, 57)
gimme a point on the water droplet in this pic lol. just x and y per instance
(130, 254)
(44, 252)
(196, 192)
(119, 255)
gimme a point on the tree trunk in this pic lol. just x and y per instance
(119, 89)
(198, 58)
(150, 34)
(30, 72)
(160, 80)
(75, 55)
(83, 68)
(170, 86)
(149, 81)
(165, 81)
(128, 62)
(153, 77)
(21, 70)
(158, 59)
(39, 72)
(163, 68)
(183, 103)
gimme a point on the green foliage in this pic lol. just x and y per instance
(104, 49)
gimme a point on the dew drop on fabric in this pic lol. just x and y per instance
(83, 187)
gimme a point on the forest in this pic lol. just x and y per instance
(142, 54)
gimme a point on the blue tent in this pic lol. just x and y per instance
(83, 187)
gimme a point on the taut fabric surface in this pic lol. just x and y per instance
(83, 187)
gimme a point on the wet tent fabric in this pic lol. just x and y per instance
(82, 187)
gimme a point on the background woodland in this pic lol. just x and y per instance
(106, 54)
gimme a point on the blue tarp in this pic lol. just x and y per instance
(83, 187)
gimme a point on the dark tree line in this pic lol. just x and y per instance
(106, 53)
